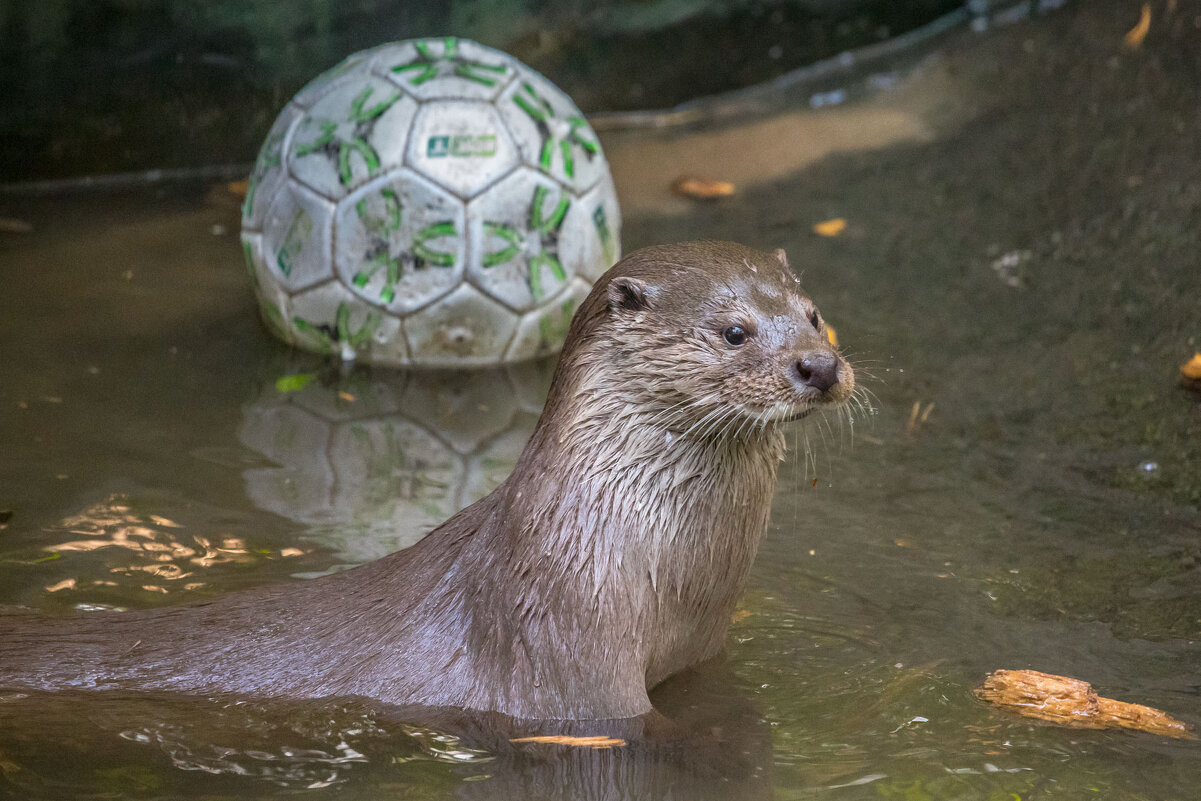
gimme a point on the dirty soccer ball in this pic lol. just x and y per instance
(429, 202)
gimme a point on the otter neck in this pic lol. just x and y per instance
(637, 533)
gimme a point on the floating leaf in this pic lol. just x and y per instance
(292, 383)
(1134, 37)
(1190, 373)
(832, 227)
(696, 188)
(1192, 368)
(831, 335)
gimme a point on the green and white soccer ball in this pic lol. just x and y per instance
(430, 202)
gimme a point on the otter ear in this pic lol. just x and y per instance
(628, 293)
(782, 257)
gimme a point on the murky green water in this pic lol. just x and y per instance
(1028, 281)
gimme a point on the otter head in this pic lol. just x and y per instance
(714, 336)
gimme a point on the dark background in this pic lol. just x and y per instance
(100, 86)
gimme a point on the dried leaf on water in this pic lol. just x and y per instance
(1135, 36)
(239, 188)
(831, 335)
(599, 741)
(1065, 701)
(1192, 368)
(697, 188)
(832, 227)
(1190, 373)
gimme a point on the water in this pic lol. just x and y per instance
(1010, 522)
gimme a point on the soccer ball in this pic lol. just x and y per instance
(430, 202)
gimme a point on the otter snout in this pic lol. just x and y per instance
(818, 370)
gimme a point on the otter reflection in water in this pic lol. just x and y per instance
(71, 744)
(610, 559)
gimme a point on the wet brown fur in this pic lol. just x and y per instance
(610, 559)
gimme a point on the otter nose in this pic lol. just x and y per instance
(818, 370)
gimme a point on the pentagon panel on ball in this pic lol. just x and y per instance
(431, 202)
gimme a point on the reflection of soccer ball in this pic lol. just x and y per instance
(429, 202)
(370, 462)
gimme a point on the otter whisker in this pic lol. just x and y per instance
(737, 424)
(841, 436)
(673, 410)
(809, 457)
(724, 431)
(749, 424)
(718, 422)
(867, 396)
(737, 418)
(823, 429)
(748, 421)
(704, 420)
(684, 409)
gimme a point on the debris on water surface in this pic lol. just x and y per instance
(1135, 36)
(697, 188)
(1190, 374)
(918, 415)
(1065, 701)
(832, 98)
(1009, 268)
(239, 188)
(293, 383)
(598, 741)
(831, 335)
(832, 227)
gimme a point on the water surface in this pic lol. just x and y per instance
(1025, 277)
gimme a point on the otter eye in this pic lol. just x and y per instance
(816, 320)
(735, 335)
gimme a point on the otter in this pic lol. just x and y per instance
(610, 559)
